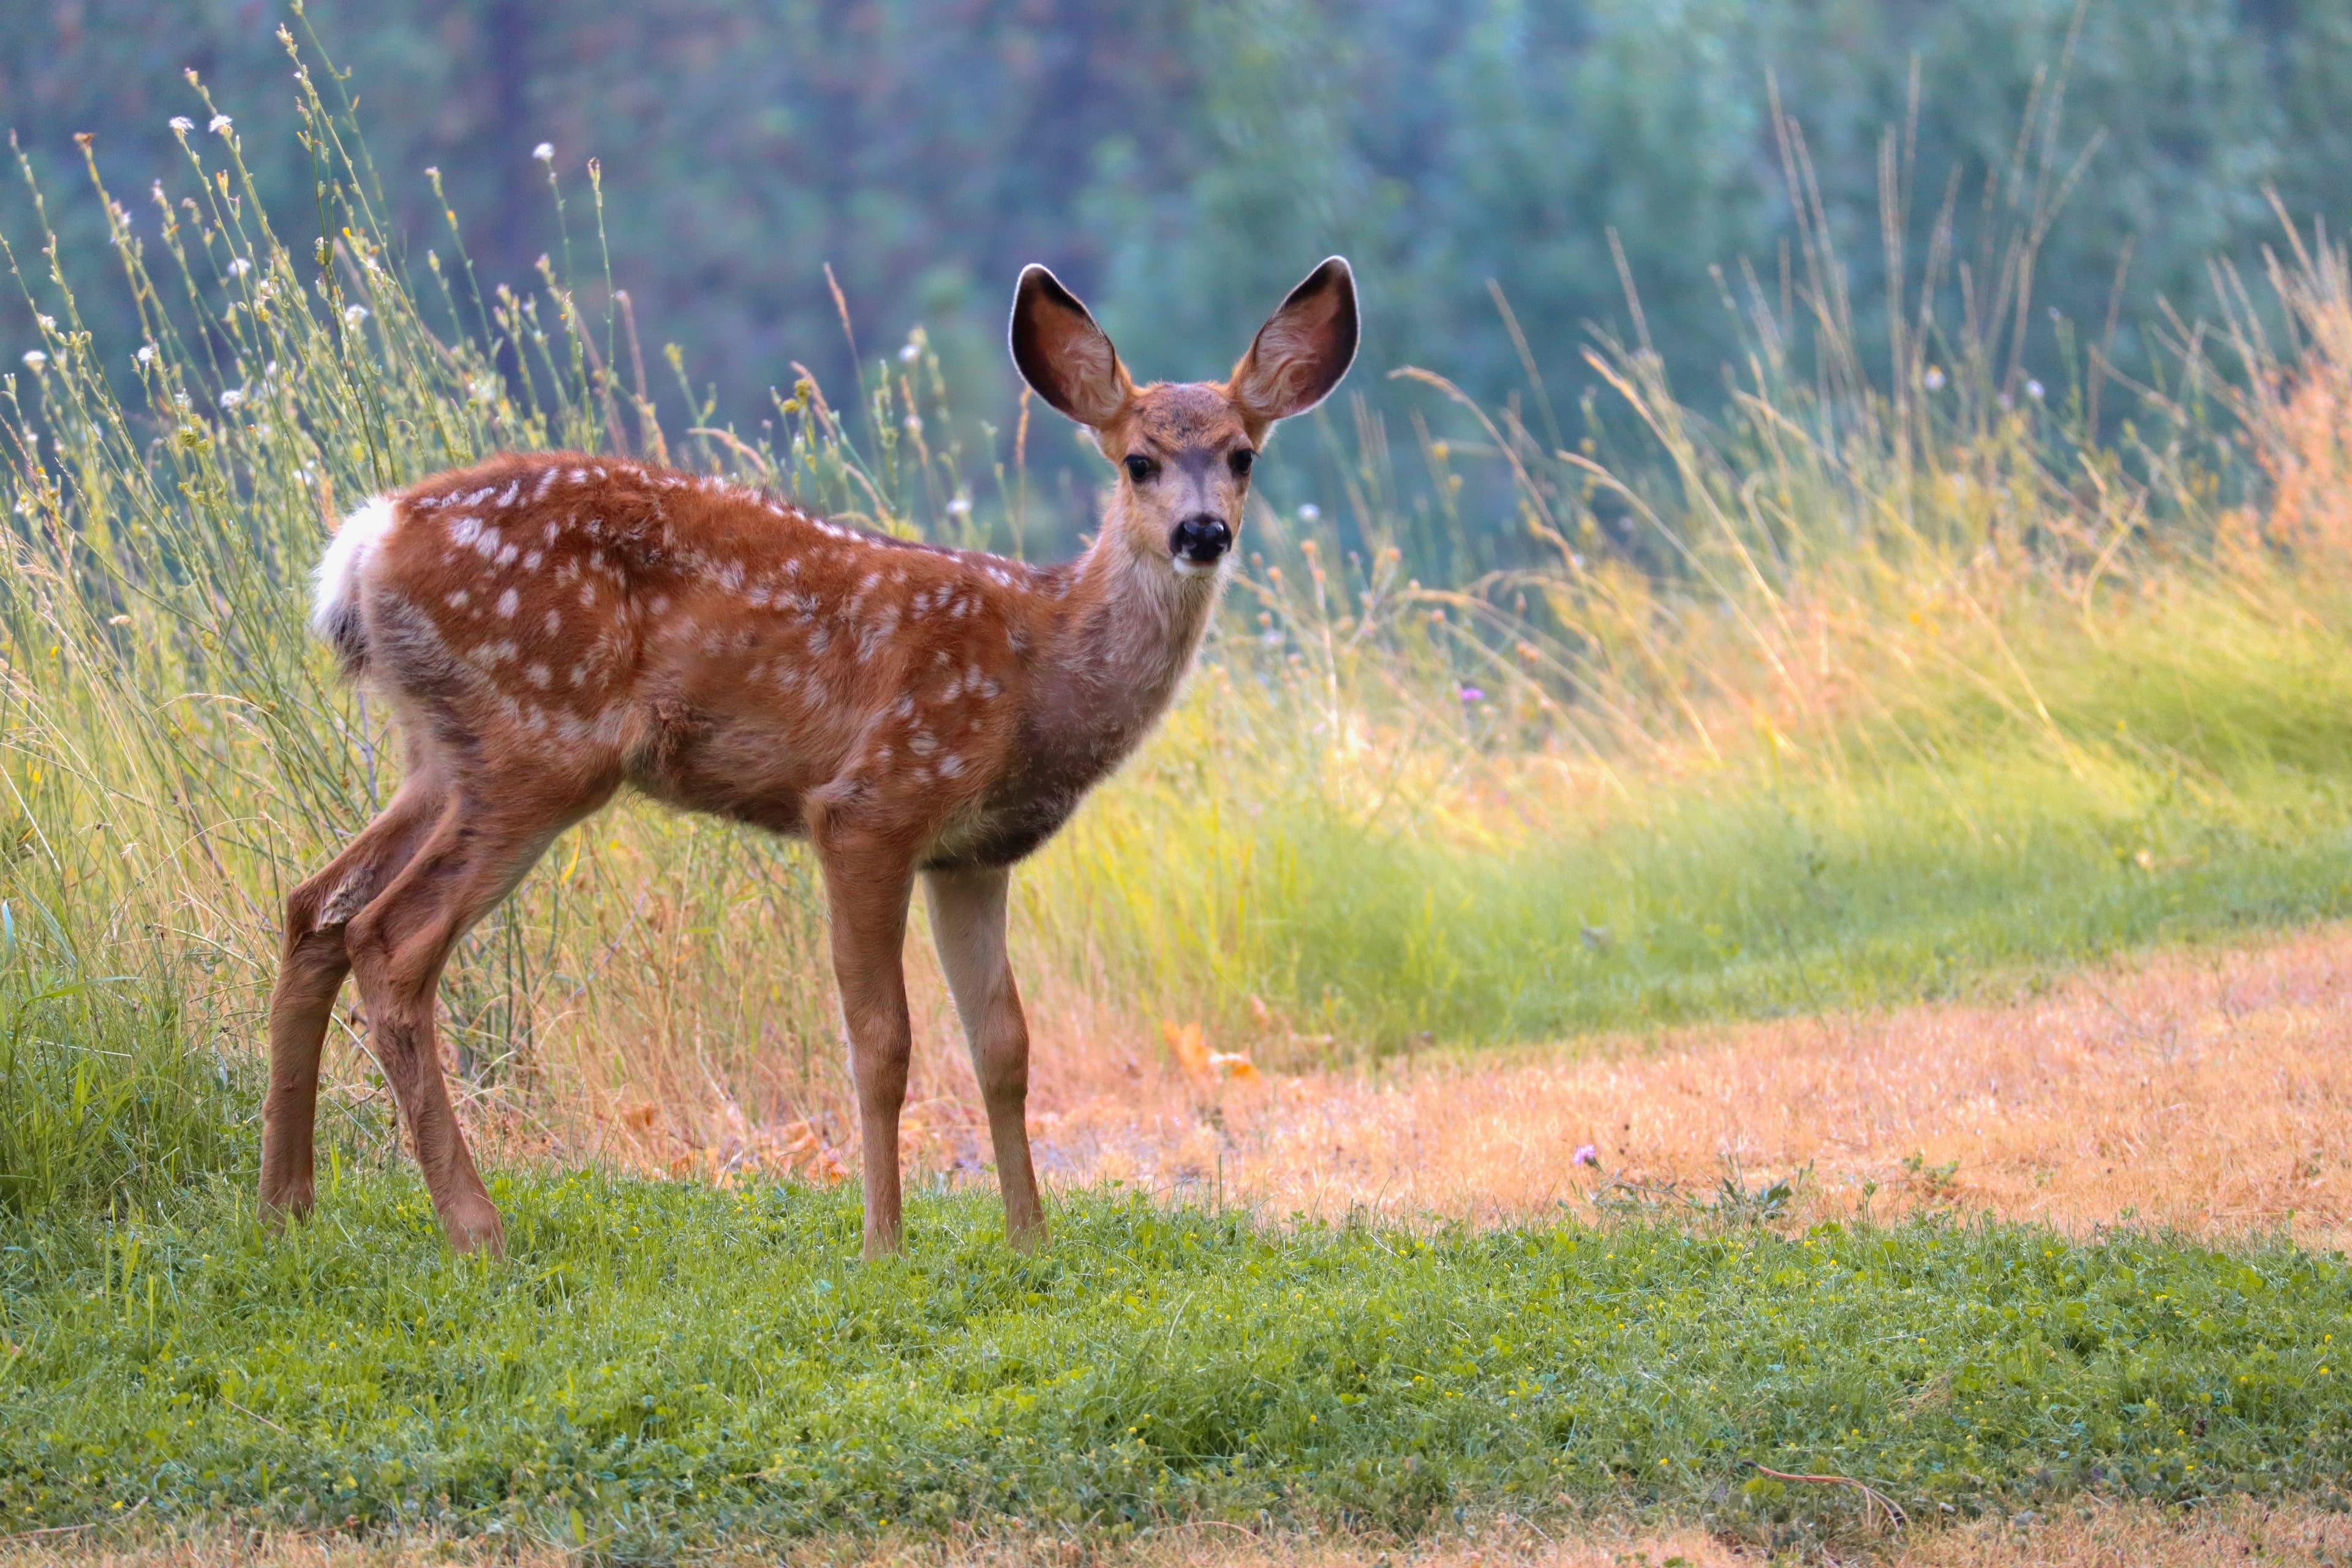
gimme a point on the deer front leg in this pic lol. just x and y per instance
(866, 886)
(968, 910)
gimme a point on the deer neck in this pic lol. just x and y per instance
(1129, 631)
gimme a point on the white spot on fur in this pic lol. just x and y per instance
(508, 601)
(463, 530)
(458, 600)
(554, 622)
(506, 555)
(539, 675)
(951, 766)
(531, 561)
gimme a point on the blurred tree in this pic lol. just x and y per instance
(1181, 165)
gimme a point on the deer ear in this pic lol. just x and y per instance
(1062, 353)
(1304, 349)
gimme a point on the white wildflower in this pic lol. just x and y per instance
(34, 359)
(219, 124)
(182, 125)
(231, 398)
(48, 323)
(146, 354)
(1935, 378)
(960, 507)
(2034, 389)
(1309, 512)
(911, 353)
(354, 314)
(544, 151)
(239, 266)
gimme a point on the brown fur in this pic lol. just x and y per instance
(552, 627)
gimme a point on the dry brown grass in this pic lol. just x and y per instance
(2087, 1535)
(2208, 1090)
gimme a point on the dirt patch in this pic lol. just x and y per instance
(2085, 1535)
(2209, 1091)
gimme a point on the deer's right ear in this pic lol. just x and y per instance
(1062, 354)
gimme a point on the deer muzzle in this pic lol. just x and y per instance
(1202, 538)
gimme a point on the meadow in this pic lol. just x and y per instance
(1883, 684)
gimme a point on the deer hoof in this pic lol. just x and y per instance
(291, 1200)
(473, 1225)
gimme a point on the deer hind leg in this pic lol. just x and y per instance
(867, 885)
(312, 961)
(398, 946)
(968, 910)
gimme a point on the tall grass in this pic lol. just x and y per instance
(1878, 681)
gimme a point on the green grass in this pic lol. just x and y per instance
(2186, 777)
(1761, 908)
(656, 1364)
(104, 1101)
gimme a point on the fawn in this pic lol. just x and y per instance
(550, 627)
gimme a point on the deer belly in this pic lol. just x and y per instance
(999, 833)
(753, 774)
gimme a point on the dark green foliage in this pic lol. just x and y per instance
(658, 1364)
(1183, 165)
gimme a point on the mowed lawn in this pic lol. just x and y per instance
(659, 1363)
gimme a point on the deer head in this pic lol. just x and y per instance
(1183, 449)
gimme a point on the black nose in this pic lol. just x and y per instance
(1201, 537)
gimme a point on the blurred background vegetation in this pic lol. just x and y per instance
(1181, 165)
(1879, 613)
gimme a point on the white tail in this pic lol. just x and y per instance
(335, 586)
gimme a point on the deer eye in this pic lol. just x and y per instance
(1242, 459)
(1140, 468)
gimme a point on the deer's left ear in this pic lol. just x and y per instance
(1303, 351)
